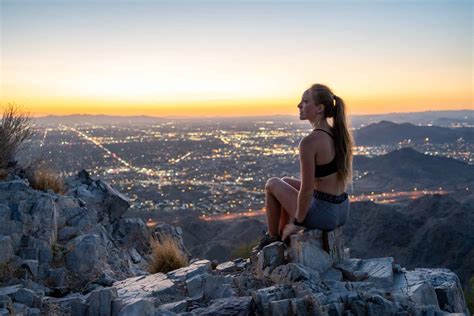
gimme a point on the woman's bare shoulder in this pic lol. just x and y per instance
(309, 140)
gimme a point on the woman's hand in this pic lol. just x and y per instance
(289, 229)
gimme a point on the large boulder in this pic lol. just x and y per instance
(318, 250)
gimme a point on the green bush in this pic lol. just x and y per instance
(243, 250)
(469, 294)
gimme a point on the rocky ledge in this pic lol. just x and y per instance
(76, 255)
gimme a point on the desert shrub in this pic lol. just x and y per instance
(44, 179)
(15, 130)
(469, 294)
(166, 255)
(243, 250)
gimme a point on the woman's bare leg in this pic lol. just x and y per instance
(284, 217)
(279, 196)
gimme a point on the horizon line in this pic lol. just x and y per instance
(229, 116)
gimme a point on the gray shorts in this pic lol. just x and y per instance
(327, 211)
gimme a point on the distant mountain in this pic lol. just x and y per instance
(96, 119)
(440, 118)
(407, 168)
(432, 231)
(389, 133)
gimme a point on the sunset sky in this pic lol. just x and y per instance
(234, 57)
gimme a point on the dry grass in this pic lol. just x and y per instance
(3, 174)
(44, 179)
(166, 256)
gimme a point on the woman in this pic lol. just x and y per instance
(319, 199)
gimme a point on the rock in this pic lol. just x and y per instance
(78, 262)
(100, 301)
(19, 309)
(378, 270)
(136, 258)
(270, 257)
(303, 306)
(139, 307)
(34, 312)
(293, 272)
(232, 266)
(156, 286)
(228, 266)
(132, 233)
(415, 286)
(32, 267)
(44, 219)
(307, 248)
(175, 307)
(5, 219)
(332, 274)
(196, 268)
(280, 307)
(447, 287)
(78, 308)
(5, 301)
(26, 297)
(227, 306)
(216, 286)
(6, 249)
(117, 203)
(194, 287)
(263, 297)
(57, 277)
(67, 233)
(333, 242)
(104, 279)
(8, 290)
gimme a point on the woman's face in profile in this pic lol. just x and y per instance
(306, 106)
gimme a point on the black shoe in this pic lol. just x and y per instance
(267, 240)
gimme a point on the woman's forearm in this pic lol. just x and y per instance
(304, 201)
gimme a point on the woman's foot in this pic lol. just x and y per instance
(267, 239)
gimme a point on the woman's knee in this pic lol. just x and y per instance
(295, 183)
(272, 183)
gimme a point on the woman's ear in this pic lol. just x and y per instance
(320, 108)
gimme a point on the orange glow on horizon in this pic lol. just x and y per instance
(244, 107)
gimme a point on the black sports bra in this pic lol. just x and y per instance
(328, 168)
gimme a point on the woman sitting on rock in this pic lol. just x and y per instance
(319, 199)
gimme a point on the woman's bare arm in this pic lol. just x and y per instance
(307, 151)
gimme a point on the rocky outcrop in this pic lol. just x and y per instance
(282, 280)
(57, 244)
(77, 255)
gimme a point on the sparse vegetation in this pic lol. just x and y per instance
(15, 130)
(3, 174)
(243, 250)
(469, 294)
(166, 255)
(6, 272)
(44, 179)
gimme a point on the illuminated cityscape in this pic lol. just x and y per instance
(213, 167)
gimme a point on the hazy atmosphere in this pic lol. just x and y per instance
(233, 57)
